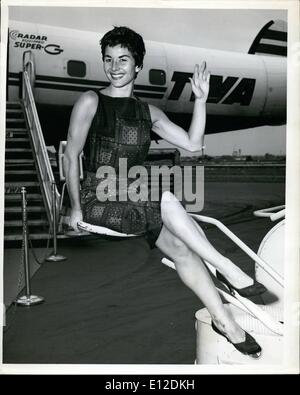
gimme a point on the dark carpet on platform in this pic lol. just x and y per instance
(114, 302)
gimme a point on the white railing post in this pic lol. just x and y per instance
(54, 257)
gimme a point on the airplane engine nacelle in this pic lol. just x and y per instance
(275, 105)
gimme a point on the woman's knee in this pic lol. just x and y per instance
(179, 246)
(171, 244)
(176, 218)
(168, 196)
(170, 207)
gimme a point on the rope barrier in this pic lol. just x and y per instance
(28, 299)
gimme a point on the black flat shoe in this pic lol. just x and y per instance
(247, 347)
(252, 290)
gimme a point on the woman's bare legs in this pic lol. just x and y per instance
(194, 274)
(181, 225)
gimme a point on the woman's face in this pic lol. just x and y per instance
(119, 66)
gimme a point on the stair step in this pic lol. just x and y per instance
(15, 120)
(19, 237)
(31, 214)
(16, 209)
(14, 113)
(16, 166)
(17, 189)
(13, 104)
(12, 176)
(13, 133)
(13, 123)
(30, 222)
(18, 197)
(14, 110)
(18, 153)
(19, 161)
(17, 139)
(15, 200)
(16, 130)
(18, 150)
(20, 184)
(17, 172)
(15, 186)
(17, 143)
(18, 203)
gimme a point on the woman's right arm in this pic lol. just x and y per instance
(81, 118)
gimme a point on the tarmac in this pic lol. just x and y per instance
(114, 302)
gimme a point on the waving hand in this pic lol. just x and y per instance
(200, 82)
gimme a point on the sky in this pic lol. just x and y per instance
(231, 30)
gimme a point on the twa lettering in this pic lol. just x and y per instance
(223, 90)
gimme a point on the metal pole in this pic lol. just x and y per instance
(25, 238)
(27, 299)
(54, 257)
(202, 153)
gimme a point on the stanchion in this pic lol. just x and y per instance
(54, 257)
(27, 299)
(202, 152)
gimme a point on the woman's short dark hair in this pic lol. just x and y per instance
(127, 38)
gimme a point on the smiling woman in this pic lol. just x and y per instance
(120, 69)
(113, 124)
(122, 63)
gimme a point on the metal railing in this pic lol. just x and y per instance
(260, 262)
(274, 213)
(236, 299)
(42, 159)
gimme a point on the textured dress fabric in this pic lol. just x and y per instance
(120, 130)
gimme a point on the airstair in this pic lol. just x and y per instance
(27, 165)
(20, 170)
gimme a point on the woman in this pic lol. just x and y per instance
(113, 124)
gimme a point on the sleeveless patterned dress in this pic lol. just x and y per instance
(120, 130)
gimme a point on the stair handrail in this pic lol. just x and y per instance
(258, 260)
(31, 71)
(40, 151)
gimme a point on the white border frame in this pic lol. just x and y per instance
(292, 305)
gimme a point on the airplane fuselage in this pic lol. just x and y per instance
(245, 90)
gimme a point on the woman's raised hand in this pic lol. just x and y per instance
(200, 82)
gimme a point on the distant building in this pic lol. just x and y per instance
(237, 153)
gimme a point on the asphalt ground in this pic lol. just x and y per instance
(114, 302)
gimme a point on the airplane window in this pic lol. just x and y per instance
(157, 77)
(76, 68)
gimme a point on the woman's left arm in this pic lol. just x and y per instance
(174, 134)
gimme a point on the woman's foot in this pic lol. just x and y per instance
(237, 280)
(228, 327)
(235, 276)
(240, 339)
